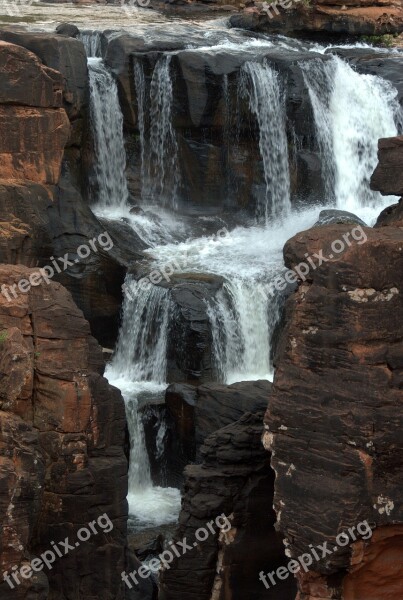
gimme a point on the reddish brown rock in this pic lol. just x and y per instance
(334, 418)
(62, 433)
(26, 81)
(34, 129)
(377, 565)
(354, 17)
(39, 220)
(32, 142)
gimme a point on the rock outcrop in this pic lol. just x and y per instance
(34, 129)
(43, 119)
(235, 480)
(196, 412)
(388, 175)
(334, 418)
(62, 430)
(334, 17)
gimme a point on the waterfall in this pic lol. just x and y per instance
(141, 349)
(138, 368)
(107, 128)
(92, 43)
(262, 86)
(140, 86)
(352, 111)
(159, 155)
(243, 317)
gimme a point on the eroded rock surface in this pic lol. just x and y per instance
(62, 429)
(233, 479)
(42, 213)
(355, 17)
(334, 420)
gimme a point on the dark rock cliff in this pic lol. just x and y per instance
(334, 419)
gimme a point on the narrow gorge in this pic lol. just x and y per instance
(201, 341)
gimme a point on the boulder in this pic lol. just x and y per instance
(26, 81)
(392, 215)
(335, 216)
(63, 54)
(68, 29)
(388, 175)
(190, 358)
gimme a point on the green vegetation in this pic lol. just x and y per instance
(3, 336)
(383, 41)
(18, 19)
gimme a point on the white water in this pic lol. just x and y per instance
(160, 173)
(262, 85)
(352, 112)
(92, 43)
(110, 194)
(107, 128)
(242, 315)
(138, 369)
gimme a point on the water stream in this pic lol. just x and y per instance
(351, 112)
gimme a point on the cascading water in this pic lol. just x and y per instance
(107, 127)
(140, 85)
(241, 340)
(159, 153)
(92, 43)
(243, 315)
(352, 112)
(110, 192)
(262, 85)
(138, 368)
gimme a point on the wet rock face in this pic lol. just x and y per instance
(190, 354)
(234, 478)
(388, 175)
(196, 412)
(62, 429)
(334, 418)
(216, 133)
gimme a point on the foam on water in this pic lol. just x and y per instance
(138, 369)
